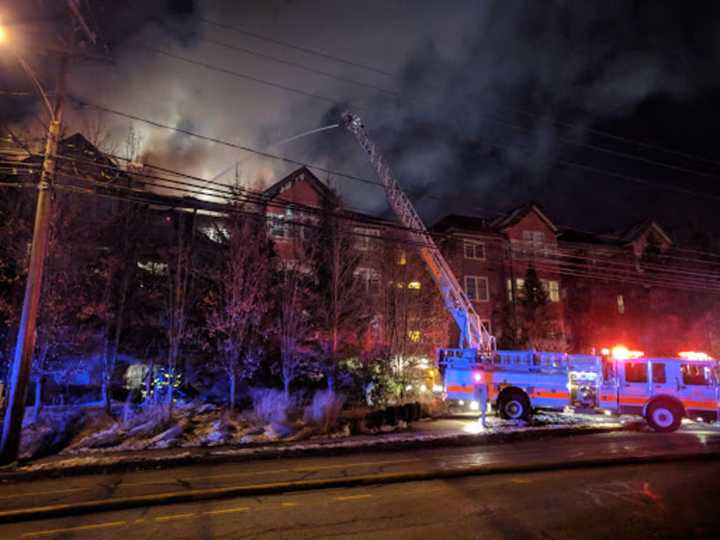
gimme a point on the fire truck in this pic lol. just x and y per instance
(662, 390)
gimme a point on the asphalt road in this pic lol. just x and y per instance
(543, 505)
(661, 501)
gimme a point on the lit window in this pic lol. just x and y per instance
(476, 288)
(474, 250)
(414, 285)
(620, 303)
(402, 259)
(554, 291)
(519, 288)
(414, 335)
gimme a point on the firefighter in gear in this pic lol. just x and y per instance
(481, 396)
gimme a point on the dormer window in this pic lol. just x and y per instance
(474, 250)
(281, 225)
(534, 241)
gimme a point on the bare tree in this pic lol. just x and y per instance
(15, 233)
(179, 277)
(71, 306)
(411, 317)
(341, 311)
(294, 325)
(97, 130)
(118, 266)
(239, 300)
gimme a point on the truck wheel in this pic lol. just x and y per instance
(664, 416)
(514, 406)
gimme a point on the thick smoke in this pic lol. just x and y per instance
(484, 125)
(488, 95)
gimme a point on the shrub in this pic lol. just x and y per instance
(270, 406)
(324, 410)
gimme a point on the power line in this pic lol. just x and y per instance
(298, 65)
(306, 50)
(225, 191)
(524, 112)
(619, 154)
(356, 178)
(84, 103)
(552, 268)
(327, 99)
(669, 279)
(379, 184)
(240, 75)
(509, 124)
(617, 270)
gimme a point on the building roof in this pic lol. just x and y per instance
(618, 239)
(514, 216)
(497, 224)
(301, 174)
(634, 232)
(468, 223)
(584, 237)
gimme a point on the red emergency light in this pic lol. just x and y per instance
(694, 355)
(621, 352)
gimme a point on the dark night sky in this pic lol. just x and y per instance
(493, 97)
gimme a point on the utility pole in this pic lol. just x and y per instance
(27, 331)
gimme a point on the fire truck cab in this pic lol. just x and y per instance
(662, 390)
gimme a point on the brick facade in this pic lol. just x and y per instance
(634, 287)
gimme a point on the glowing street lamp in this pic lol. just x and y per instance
(5, 42)
(20, 372)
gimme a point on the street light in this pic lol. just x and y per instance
(20, 372)
(28, 71)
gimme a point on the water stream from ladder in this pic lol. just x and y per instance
(269, 147)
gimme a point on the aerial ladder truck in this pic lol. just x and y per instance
(662, 390)
(475, 342)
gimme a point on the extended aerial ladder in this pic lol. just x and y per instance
(474, 338)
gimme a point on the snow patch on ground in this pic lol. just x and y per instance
(91, 437)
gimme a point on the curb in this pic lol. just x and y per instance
(214, 455)
(62, 510)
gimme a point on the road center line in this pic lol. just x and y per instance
(174, 516)
(80, 528)
(348, 465)
(226, 511)
(353, 497)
